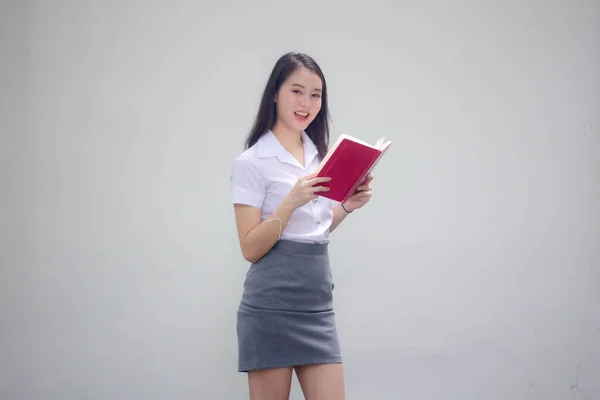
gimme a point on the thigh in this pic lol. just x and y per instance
(322, 381)
(270, 384)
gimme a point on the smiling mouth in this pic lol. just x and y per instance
(302, 116)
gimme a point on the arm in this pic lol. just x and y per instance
(339, 215)
(257, 238)
(359, 199)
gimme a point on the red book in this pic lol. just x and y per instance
(348, 163)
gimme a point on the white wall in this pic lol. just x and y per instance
(473, 274)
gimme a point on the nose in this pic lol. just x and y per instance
(304, 100)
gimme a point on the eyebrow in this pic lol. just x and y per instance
(299, 85)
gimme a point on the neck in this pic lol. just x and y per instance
(288, 138)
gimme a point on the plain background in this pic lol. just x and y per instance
(474, 273)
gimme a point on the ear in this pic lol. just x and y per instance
(275, 99)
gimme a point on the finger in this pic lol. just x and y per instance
(367, 179)
(360, 195)
(363, 195)
(364, 188)
(308, 177)
(319, 189)
(321, 179)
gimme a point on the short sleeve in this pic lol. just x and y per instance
(247, 183)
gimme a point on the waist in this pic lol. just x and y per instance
(298, 247)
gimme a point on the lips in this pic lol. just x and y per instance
(302, 116)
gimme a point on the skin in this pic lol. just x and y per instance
(300, 93)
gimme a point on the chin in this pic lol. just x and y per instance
(299, 126)
(303, 125)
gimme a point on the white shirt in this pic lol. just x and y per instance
(265, 173)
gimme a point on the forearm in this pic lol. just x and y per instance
(339, 215)
(263, 237)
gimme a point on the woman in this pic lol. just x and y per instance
(286, 319)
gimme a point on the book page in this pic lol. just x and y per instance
(357, 140)
(380, 145)
(383, 143)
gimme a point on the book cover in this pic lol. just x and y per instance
(348, 163)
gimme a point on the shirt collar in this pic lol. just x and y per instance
(269, 146)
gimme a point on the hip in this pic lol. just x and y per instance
(292, 276)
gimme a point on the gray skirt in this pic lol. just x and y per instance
(286, 317)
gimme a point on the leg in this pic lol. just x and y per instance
(321, 381)
(270, 384)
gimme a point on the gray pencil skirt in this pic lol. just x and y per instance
(286, 317)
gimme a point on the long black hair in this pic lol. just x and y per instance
(318, 130)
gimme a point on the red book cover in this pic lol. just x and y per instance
(348, 163)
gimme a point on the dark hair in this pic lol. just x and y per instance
(318, 130)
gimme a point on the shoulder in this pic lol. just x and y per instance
(246, 160)
(247, 166)
(248, 183)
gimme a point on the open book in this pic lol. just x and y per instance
(348, 163)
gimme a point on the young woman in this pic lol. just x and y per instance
(286, 320)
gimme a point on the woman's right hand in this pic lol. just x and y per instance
(306, 189)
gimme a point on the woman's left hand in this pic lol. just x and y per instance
(361, 197)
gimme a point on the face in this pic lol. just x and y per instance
(299, 99)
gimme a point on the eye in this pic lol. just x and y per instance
(317, 96)
(296, 91)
